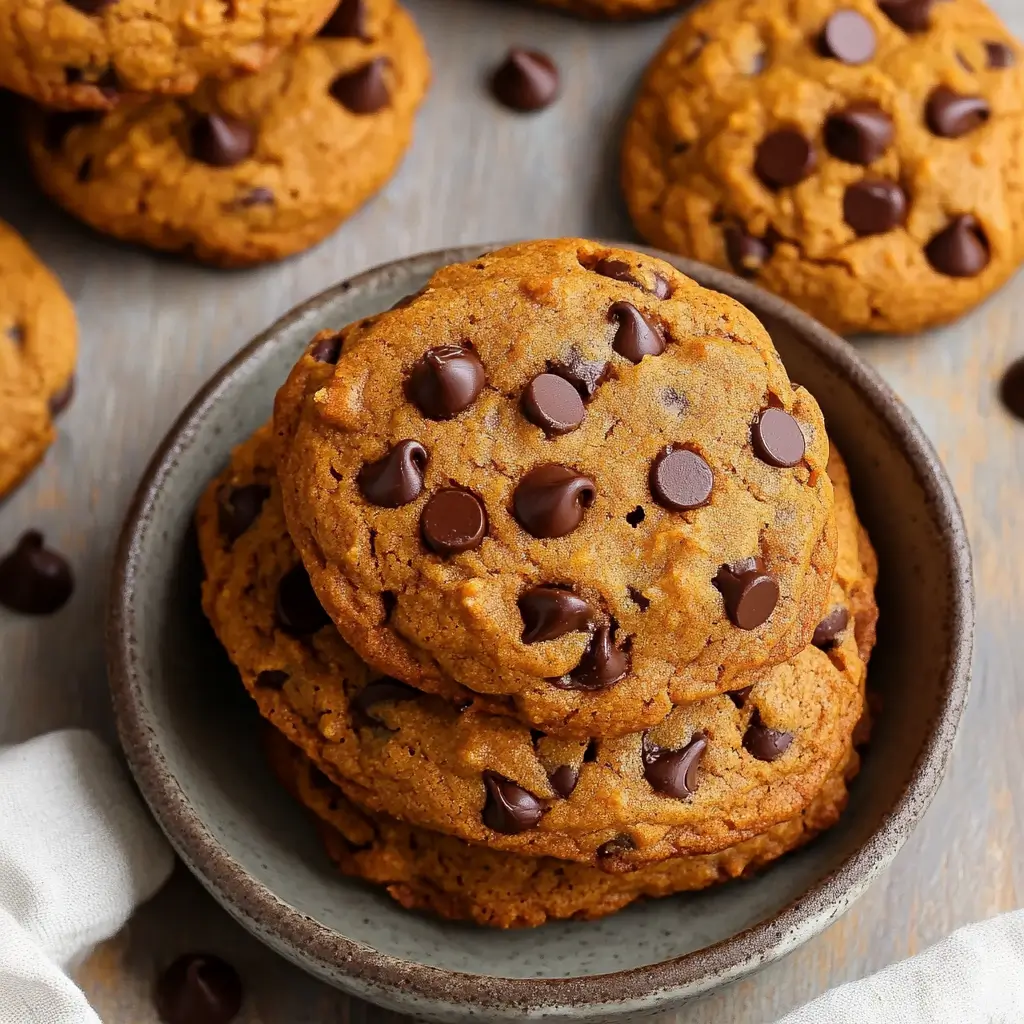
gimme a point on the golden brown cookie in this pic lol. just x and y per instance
(90, 53)
(613, 10)
(38, 340)
(422, 870)
(863, 159)
(711, 774)
(249, 170)
(566, 474)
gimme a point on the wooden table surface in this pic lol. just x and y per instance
(154, 329)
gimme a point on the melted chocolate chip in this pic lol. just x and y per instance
(347, 22)
(673, 772)
(396, 478)
(60, 400)
(749, 593)
(951, 115)
(763, 743)
(602, 665)
(445, 381)
(553, 404)
(271, 679)
(999, 55)
(784, 158)
(860, 134)
(586, 376)
(747, 253)
(509, 808)
(221, 141)
(909, 15)
(298, 609)
(551, 612)
(239, 508)
(563, 780)
(526, 80)
(617, 846)
(960, 249)
(453, 521)
(198, 988)
(848, 37)
(34, 579)
(365, 90)
(777, 438)
(680, 479)
(550, 500)
(874, 206)
(830, 627)
(620, 270)
(739, 697)
(326, 350)
(636, 336)
(381, 691)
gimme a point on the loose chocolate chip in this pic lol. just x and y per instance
(90, 6)
(550, 500)
(453, 521)
(778, 439)
(271, 679)
(380, 691)
(198, 988)
(34, 579)
(763, 743)
(602, 665)
(909, 15)
(298, 608)
(60, 400)
(1011, 388)
(739, 697)
(445, 381)
(673, 772)
(509, 808)
(326, 350)
(347, 22)
(637, 597)
(999, 55)
(258, 196)
(238, 509)
(749, 593)
(874, 206)
(586, 376)
(363, 91)
(636, 336)
(563, 780)
(221, 141)
(830, 627)
(680, 479)
(747, 253)
(616, 846)
(784, 158)
(860, 134)
(848, 37)
(526, 80)
(553, 404)
(951, 115)
(960, 249)
(396, 478)
(551, 612)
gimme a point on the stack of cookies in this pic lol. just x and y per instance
(551, 589)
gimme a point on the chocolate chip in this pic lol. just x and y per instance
(680, 479)
(198, 988)
(999, 55)
(381, 691)
(951, 115)
(553, 404)
(34, 579)
(620, 270)
(636, 336)
(615, 847)
(830, 627)
(960, 249)
(1011, 388)
(749, 593)
(347, 22)
(238, 509)
(526, 80)
(909, 15)
(327, 349)
(60, 400)
(563, 780)
(746, 253)
(550, 612)
(271, 679)
(550, 500)
(739, 697)
(445, 381)
(637, 597)
(673, 772)
(860, 134)
(874, 206)
(784, 158)
(509, 808)
(602, 665)
(221, 141)
(763, 743)
(363, 91)
(777, 438)
(258, 196)
(298, 609)
(90, 6)
(584, 375)
(848, 37)
(396, 478)
(453, 521)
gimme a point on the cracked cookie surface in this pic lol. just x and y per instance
(252, 169)
(565, 475)
(864, 160)
(712, 774)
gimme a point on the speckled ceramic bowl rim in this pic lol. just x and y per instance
(679, 977)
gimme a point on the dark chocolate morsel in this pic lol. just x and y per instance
(552, 403)
(365, 90)
(509, 808)
(526, 80)
(221, 141)
(830, 627)
(551, 500)
(749, 593)
(961, 249)
(550, 612)
(784, 158)
(680, 479)
(298, 609)
(860, 133)
(636, 336)
(763, 743)
(777, 438)
(673, 772)
(238, 509)
(602, 665)
(396, 478)
(34, 579)
(951, 115)
(563, 780)
(445, 381)
(453, 521)
(198, 988)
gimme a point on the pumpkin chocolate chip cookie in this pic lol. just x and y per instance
(253, 169)
(860, 158)
(564, 474)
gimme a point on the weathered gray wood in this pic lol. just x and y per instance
(154, 329)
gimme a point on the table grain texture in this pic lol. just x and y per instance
(153, 329)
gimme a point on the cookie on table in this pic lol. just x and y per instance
(38, 341)
(89, 54)
(253, 169)
(566, 474)
(711, 774)
(422, 870)
(861, 158)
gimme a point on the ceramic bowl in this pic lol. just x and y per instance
(191, 735)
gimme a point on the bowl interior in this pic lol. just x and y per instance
(204, 730)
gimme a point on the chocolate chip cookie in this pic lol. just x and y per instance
(860, 158)
(613, 10)
(713, 773)
(566, 474)
(426, 871)
(253, 169)
(89, 54)
(38, 340)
